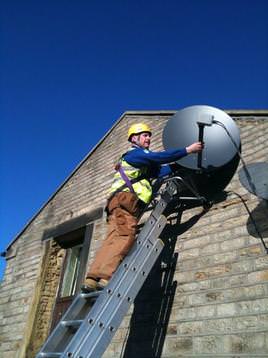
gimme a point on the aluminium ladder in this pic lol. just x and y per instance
(91, 321)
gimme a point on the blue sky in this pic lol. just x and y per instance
(69, 69)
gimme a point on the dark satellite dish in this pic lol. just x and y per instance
(214, 170)
(255, 179)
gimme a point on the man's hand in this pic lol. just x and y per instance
(195, 147)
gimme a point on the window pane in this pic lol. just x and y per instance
(71, 271)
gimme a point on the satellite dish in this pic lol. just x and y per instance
(220, 156)
(255, 179)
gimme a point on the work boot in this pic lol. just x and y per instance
(90, 285)
(102, 283)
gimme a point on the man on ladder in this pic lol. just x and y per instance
(131, 191)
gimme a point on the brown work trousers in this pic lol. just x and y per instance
(123, 210)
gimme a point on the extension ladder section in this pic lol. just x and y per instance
(89, 324)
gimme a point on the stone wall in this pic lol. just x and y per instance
(209, 299)
(219, 287)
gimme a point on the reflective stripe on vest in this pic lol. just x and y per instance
(142, 188)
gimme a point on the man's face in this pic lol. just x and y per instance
(144, 140)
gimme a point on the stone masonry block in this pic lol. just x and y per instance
(193, 286)
(178, 346)
(226, 309)
(258, 276)
(189, 254)
(207, 311)
(210, 249)
(261, 263)
(233, 243)
(252, 343)
(209, 344)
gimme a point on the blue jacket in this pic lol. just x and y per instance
(155, 162)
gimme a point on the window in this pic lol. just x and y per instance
(70, 277)
(76, 244)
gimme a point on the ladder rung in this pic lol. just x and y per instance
(91, 294)
(72, 323)
(49, 355)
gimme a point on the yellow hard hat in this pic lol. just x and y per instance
(138, 128)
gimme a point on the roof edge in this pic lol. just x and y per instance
(247, 112)
(237, 112)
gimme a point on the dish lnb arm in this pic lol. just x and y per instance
(204, 120)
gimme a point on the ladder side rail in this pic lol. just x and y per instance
(115, 284)
(136, 269)
(136, 250)
(58, 333)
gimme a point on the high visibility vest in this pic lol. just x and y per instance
(142, 188)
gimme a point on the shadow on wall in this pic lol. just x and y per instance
(258, 220)
(153, 305)
(152, 308)
(257, 225)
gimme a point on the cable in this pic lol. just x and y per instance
(250, 181)
(252, 219)
(251, 184)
